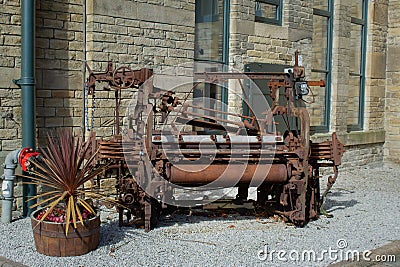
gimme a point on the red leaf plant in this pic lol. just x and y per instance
(64, 166)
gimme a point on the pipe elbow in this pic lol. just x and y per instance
(11, 161)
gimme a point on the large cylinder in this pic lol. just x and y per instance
(228, 175)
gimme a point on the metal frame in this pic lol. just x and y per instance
(256, 67)
(226, 24)
(146, 183)
(225, 49)
(328, 71)
(363, 23)
(279, 10)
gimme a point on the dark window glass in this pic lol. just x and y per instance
(268, 11)
(210, 35)
(358, 31)
(319, 98)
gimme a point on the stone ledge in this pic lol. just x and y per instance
(354, 138)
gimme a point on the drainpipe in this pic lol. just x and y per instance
(84, 19)
(27, 84)
(7, 188)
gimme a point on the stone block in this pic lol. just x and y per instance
(72, 121)
(104, 19)
(115, 48)
(77, 112)
(62, 93)
(376, 65)
(76, 17)
(12, 40)
(126, 22)
(59, 79)
(72, 102)
(113, 29)
(153, 51)
(176, 52)
(44, 33)
(53, 23)
(73, 26)
(5, 18)
(10, 102)
(8, 29)
(393, 58)
(379, 13)
(10, 145)
(8, 134)
(42, 43)
(59, 44)
(43, 93)
(176, 35)
(52, 122)
(45, 111)
(7, 61)
(64, 35)
(116, 8)
(254, 53)
(12, 51)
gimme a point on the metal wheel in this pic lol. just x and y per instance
(123, 77)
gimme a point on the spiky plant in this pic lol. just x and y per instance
(65, 166)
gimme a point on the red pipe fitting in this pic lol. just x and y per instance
(24, 156)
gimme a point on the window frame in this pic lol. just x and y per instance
(363, 23)
(279, 10)
(225, 42)
(324, 128)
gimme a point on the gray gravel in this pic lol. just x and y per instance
(365, 204)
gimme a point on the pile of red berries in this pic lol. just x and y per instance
(58, 215)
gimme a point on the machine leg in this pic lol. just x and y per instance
(120, 217)
(243, 193)
(147, 216)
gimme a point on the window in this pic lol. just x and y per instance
(207, 11)
(211, 30)
(319, 99)
(269, 11)
(212, 45)
(355, 118)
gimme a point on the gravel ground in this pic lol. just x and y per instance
(364, 202)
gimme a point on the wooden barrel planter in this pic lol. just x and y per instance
(50, 238)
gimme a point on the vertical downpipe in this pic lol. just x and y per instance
(84, 69)
(27, 83)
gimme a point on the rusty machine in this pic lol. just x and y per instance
(214, 148)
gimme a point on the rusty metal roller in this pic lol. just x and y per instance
(228, 174)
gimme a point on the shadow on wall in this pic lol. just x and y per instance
(58, 67)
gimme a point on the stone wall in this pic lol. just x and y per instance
(58, 66)
(392, 118)
(10, 63)
(340, 67)
(58, 71)
(137, 34)
(361, 155)
(140, 33)
(376, 64)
